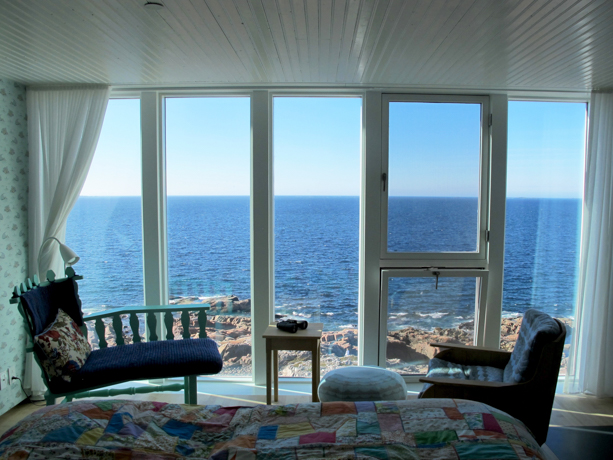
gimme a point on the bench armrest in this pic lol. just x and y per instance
(150, 312)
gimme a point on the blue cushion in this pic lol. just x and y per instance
(150, 360)
(537, 329)
(362, 383)
(43, 302)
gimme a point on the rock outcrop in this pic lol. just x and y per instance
(408, 349)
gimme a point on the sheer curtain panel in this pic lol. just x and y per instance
(64, 125)
(63, 129)
(593, 338)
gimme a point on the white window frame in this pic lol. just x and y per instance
(446, 259)
(374, 135)
(480, 304)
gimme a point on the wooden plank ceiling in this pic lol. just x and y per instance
(492, 44)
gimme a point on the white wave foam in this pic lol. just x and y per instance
(303, 315)
(435, 315)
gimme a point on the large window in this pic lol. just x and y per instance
(317, 186)
(543, 224)
(288, 180)
(208, 184)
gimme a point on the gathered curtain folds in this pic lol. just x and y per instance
(591, 369)
(64, 125)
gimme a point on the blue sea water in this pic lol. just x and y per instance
(316, 254)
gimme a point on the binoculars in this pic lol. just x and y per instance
(291, 325)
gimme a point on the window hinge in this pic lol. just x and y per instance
(487, 236)
(489, 121)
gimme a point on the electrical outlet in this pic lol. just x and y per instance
(11, 374)
(3, 380)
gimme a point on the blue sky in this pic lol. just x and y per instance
(316, 145)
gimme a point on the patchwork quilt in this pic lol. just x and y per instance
(394, 430)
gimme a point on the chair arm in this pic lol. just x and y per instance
(151, 321)
(464, 347)
(474, 356)
(464, 383)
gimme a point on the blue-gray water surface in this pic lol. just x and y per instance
(316, 254)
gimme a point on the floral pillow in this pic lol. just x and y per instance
(65, 346)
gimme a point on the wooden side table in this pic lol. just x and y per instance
(308, 339)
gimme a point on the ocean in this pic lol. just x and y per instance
(316, 255)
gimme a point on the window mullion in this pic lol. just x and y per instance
(370, 231)
(497, 220)
(262, 242)
(153, 200)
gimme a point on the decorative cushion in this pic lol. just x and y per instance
(537, 329)
(362, 383)
(144, 360)
(64, 346)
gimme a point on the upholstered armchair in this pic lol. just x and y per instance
(521, 383)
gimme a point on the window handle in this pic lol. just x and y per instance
(384, 179)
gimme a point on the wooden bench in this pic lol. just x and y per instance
(153, 359)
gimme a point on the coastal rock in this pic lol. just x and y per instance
(408, 349)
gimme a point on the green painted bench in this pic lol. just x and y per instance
(142, 360)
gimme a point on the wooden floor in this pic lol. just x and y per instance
(574, 418)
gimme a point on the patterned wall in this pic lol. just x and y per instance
(13, 233)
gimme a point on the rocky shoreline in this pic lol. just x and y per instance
(408, 349)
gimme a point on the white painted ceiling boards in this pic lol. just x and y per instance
(495, 44)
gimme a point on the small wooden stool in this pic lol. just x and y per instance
(308, 339)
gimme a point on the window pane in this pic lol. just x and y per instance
(208, 184)
(434, 177)
(543, 223)
(104, 227)
(317, 186)
(419, 313)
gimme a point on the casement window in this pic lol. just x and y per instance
(435, 177)
(434, 223)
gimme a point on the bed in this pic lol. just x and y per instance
(413, 429)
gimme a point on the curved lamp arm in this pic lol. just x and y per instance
(68, 255)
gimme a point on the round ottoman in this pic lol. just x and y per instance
(362, 383)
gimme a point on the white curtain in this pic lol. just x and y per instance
(63, 129)
(63, 125)
(593, 341)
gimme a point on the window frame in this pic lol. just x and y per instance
(373, 136)
(443, 259)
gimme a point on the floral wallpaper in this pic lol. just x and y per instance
(13, 233)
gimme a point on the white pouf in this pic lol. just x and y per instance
(362, 383)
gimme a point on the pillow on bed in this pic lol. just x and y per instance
(65, 347)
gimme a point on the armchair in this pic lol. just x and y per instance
(521, 383)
